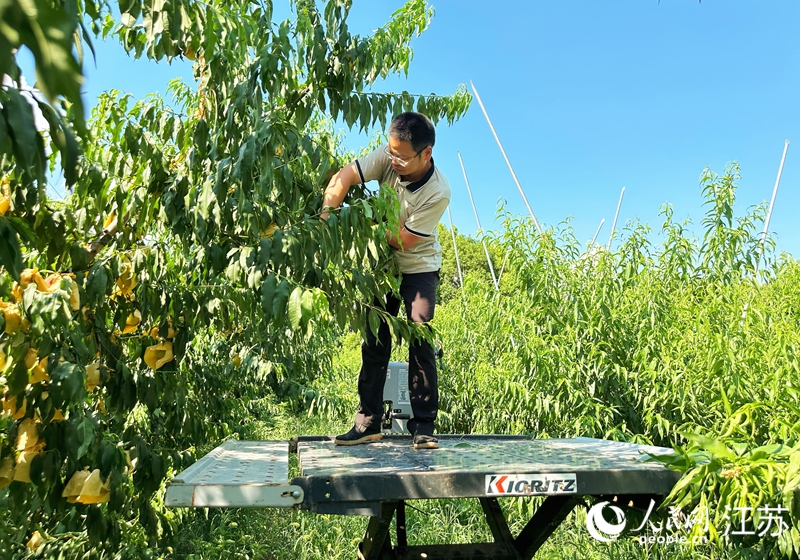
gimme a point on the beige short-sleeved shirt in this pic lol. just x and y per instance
(422, 204)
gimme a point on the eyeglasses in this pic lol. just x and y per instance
(401, 162)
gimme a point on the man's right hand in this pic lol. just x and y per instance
(337, 188)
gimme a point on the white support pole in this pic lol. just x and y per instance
(455, 248)
(478, 221)
(597, 232)
(766, 223)
(616, 215)
(502, 268)
(514, 175)
(771, 205)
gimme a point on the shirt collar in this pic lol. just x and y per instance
(417, 185)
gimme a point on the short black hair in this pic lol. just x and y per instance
(414, 128)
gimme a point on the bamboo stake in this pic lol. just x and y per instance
(514, 175)
(616, 215)
(455, 248)
(478, 220)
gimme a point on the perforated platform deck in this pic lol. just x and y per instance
(320, 457)
(237, 474)
(346, 479)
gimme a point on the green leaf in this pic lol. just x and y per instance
(85, 436)
(51, 466)
(716, 447)
(107, 458)
(281, 299)
(67, 384)
(57, 70)
(217, 258)
(48, 312)
(264, 252)
(22, 128)
(295, 311)
(18, 380)
(268, 288)
(10, 253)
(37, 470)
(201, 137)
(79, 256)
(307, 306)
(65, 141)
(277, 254)
(96, 284)
(374, 321)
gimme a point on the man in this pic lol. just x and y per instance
(406, 165)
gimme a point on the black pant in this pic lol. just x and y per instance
(419, 296)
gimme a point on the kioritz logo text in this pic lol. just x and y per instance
(530, 484)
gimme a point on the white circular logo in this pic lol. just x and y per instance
(601, 529)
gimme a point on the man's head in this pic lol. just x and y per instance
(411, 140)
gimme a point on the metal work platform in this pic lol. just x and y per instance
(377, 479)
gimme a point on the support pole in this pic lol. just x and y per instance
(455, 248)
(616, 215)
(514, 175)
(766, 224)
(596, 233)
(771, 205)
(502, 268)
(478, 220)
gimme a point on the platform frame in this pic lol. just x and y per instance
(377, 479)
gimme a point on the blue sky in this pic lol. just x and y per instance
(588, 97)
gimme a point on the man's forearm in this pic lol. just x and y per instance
(392, 240)
(337, 188)
(404, 239)
(335, 192)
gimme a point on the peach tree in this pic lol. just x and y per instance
(187, 268)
